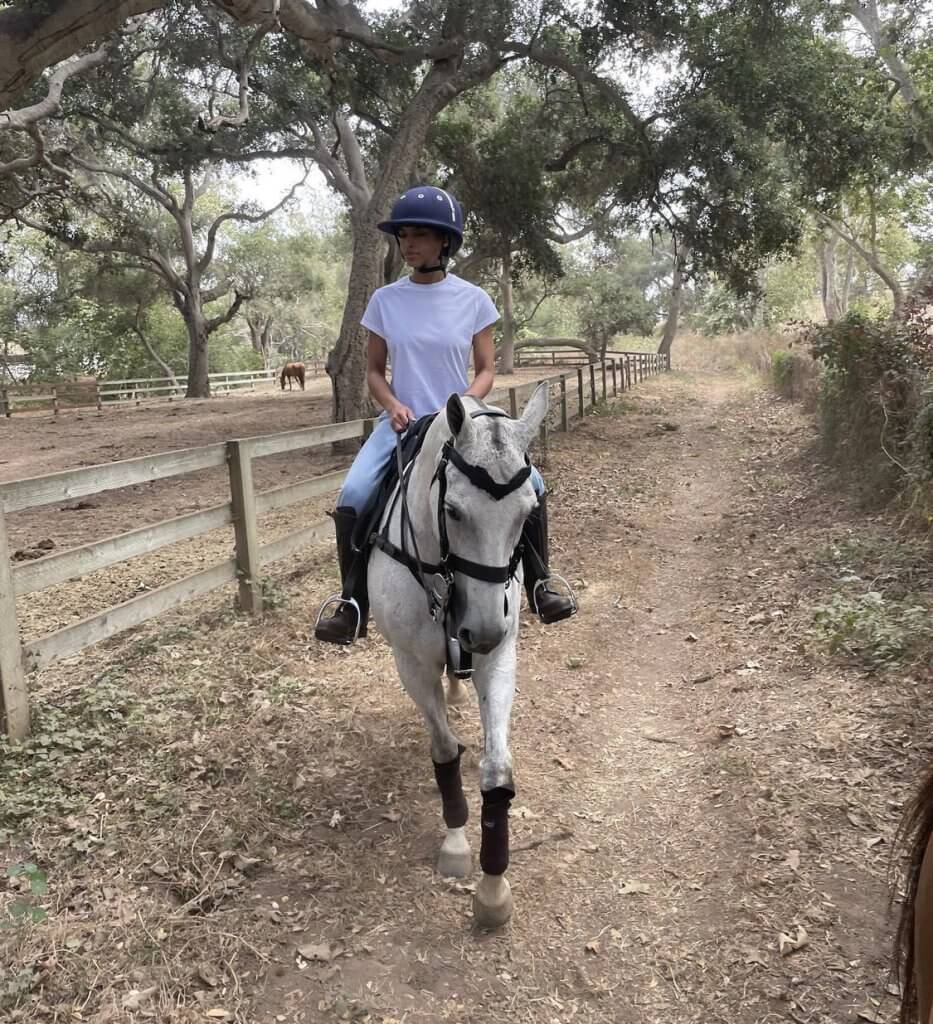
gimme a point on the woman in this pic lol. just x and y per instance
(428, 324)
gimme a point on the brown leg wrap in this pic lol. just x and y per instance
(494, 848)
(447, 776)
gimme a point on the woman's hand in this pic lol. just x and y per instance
(400, 417)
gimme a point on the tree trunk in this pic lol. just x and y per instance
(826, 250)
(847, 275)
(676, 301)
(507, 349)
(346, 363)
(199, 385)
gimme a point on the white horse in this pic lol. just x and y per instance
(468, 495)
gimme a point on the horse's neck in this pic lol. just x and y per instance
(422, 510)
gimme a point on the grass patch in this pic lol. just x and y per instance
(880, 611)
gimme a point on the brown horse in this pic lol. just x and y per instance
(290, 370)
(914, 942)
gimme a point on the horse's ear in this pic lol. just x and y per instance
(533, 414)
(461, 426)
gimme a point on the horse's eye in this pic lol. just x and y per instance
(453, 513)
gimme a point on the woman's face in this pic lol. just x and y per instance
(420, 246)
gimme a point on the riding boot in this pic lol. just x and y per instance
(548, 604)
(341, 627)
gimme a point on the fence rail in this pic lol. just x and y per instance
(132, 390)
(588, 385)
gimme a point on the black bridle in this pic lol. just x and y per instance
(437, 579)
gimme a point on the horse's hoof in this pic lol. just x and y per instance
(456, 692)
(492, 902)
(455, 859)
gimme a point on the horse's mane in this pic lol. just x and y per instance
(913, 834)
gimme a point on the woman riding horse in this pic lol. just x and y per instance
(428, 324)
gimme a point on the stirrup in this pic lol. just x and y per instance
(552, 577)
(459, 661)
(339, 600)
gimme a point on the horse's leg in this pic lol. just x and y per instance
(495, 687)
(426, 689)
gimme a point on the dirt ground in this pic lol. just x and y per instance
(240, 824)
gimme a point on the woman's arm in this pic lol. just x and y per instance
(377, 355)
(484, 364)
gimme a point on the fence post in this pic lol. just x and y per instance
(580, 399)
(615, 388)
(513, 404)
(5, 403)
(628, 373)
(592, 385)
(14, 704)
(240, 463)
(604, 379)
(563, 402)
(54, 401)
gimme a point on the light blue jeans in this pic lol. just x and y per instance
(372, 461)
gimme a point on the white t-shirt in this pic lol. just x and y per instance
(428, 329)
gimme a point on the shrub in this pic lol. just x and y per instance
(876, 398)
(782, 372)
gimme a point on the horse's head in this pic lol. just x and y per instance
(487, 496)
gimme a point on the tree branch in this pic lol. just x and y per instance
(867, 255)
(245, 65)
(245, 217)
(225, 318)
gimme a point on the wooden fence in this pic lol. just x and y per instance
(91, 392)
(588, 386)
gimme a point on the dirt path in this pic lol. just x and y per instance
(692, 784)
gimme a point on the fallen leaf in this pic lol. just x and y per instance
(316, 953)
(135, 998)
(575, 661)
(335, 819)
(792, 860)
(209, 975)
(592, 946)
(691, 638)
(788, 944)
(522, 812)
(219, 1013)
(755, 956)
(391, 816)
(633, 889)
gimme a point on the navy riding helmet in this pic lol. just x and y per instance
(428, 207)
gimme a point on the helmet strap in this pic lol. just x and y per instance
(441, 265)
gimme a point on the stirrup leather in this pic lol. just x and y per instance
(339, 601)
(552, 578)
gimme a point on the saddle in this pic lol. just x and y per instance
(367, 525)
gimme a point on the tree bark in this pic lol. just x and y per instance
(872, 259)
(346, 363)
(507, 349)
(826, 250)
(31, 41)
(199, 385)
(676, 301)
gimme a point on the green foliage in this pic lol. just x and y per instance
(782, 372)
(881, 633)
(26, 910)
(875, 397)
